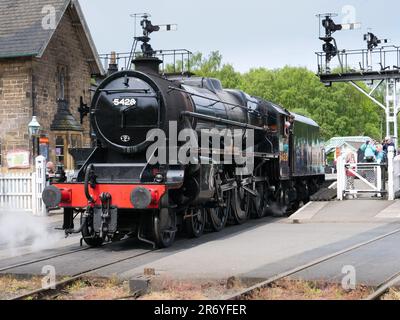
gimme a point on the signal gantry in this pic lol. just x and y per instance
(376, 65)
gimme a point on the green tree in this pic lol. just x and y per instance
(340, 110)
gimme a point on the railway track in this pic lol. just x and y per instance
(26, 263)
(264, 284)
(384, 287)
(42, 292)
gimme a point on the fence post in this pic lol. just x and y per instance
(391, 195)
(340, 177)
(34, 193)
(396, 176)
(379, 178)
(40, 184)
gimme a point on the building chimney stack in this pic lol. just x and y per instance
(113, 58)
(113, 66)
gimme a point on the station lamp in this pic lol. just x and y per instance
(34, 130)
(34, 127)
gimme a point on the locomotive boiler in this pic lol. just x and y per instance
(122, 191)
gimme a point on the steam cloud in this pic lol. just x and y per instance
(20, 231)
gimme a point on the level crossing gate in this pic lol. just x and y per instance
(379, 180)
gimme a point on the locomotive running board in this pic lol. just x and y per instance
(220, 120)
(221, 152)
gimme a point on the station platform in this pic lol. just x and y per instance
(348, 211)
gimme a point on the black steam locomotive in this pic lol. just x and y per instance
(121, 191)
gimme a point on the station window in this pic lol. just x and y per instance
(64, 142)
(60, 150)
(76, 141)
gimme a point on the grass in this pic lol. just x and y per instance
(393, 294)
(170, 289)
(12, 286)
(94, 289)
(281, 290)
(308, 290)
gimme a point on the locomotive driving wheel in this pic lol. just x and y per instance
(283, 202)
(195, 222)
(164, 225)
(259, 202)
(240, 205)
(218, 217)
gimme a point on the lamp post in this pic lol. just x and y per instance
(34, 130)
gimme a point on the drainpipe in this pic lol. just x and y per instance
(33, 99)
(33, 95)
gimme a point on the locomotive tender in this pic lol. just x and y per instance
(120, 192)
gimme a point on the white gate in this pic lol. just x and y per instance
(23, 191)
(360, 179)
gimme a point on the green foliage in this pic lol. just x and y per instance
(211, 67)
(340, 110)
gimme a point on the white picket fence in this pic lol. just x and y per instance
(23, 191)
(16, 191)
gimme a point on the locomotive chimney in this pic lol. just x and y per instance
(113, 66)
(147, 64)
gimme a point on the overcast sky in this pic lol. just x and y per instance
(248, 33)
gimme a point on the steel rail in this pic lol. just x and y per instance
(22, 264)
(246, 292)
(384, 287)
(76, 277)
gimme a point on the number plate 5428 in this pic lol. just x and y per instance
(126, 102)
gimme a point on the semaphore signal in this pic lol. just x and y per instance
(387, 74)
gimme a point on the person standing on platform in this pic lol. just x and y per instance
(388, 143)
(50, 171)
(380, 154)
(369, 152)
(352, 167)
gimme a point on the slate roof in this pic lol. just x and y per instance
(22, 33)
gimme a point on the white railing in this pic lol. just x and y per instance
(375, 179)
(23, 191)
